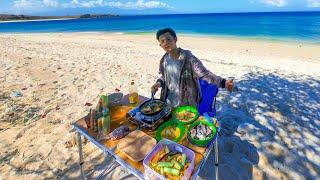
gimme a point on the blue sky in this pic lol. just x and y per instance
(70, 7)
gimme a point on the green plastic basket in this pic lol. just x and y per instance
(197, 142)
(186, 108)
(168, 124)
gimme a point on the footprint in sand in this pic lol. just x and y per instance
(293, 129)
(277, 152)
(63, 88)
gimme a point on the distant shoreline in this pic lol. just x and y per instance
(31, 20)
(24, 18)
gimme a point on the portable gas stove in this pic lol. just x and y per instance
(149, 122)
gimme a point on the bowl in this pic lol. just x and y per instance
(197, 142)
(168, 124)
(190, 109)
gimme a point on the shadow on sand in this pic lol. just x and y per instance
(270, 129)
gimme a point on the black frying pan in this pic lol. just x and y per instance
(151, 106)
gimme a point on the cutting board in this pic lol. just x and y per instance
(136, 145)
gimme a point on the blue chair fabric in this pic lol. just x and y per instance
(209, 93)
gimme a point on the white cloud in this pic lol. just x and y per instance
(313, 3)
(26, 4)
(139, 4)
(151, 4)
(75, 2)
(277, 3)
(34, 4)
(88, 4)
(50, 3)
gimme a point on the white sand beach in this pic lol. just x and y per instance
(270, 127)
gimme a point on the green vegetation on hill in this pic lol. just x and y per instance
(11, 17)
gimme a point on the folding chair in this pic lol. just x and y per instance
(207, 105)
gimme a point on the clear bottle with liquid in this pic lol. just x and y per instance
(133, 94)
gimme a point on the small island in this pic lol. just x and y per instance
(97, 16)
(12, 17)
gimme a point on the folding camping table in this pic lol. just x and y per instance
(118, 118)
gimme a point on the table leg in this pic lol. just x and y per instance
(216, 158)
(80, 156)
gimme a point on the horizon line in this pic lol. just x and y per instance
(225, 13)
(249, 12)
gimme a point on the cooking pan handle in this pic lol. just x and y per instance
(152, 95)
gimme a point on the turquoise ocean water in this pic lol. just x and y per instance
(291, 26)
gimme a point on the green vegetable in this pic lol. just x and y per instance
(165, 164)
(172, 171)
(162, 153)
(177, 165)
(161, 171)
(183, 160)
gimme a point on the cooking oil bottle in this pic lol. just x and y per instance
(133, 94)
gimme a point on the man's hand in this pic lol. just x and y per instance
(229, 85)
(155, 87)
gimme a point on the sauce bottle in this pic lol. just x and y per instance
(133, 94)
